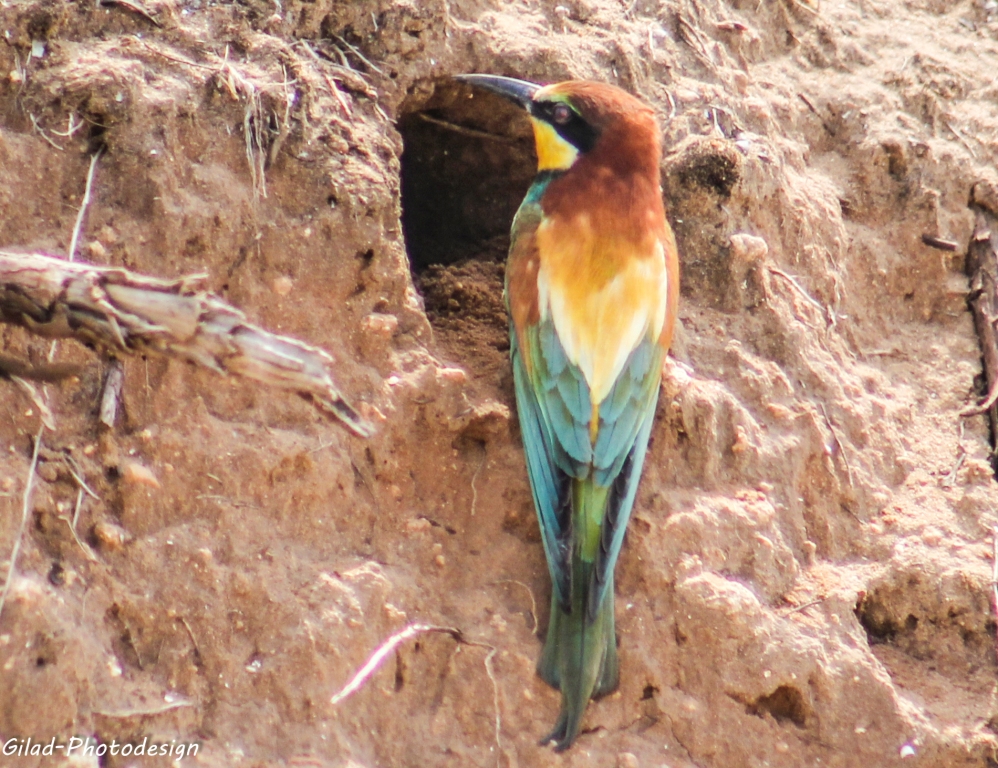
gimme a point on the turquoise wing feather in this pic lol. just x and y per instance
(549, 485)
(626, 418)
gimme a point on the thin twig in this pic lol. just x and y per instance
(838, 443)
(341, 98)
(351, 78)
(194, 642)
(383, 651)
(177, 59)
(48, 420)
(76, 471)
(42, 133)
(495, 701)
(72, 529)
(938, 243)
(804, 294)
(71, 127)
(672, 105)
(344, 104)
(359, 55)
(77, 508)
(962, 138)
(125, 713)
(465, 131)
(77, 226)
(533, 602)
(690, 35)
(801, 607)
(950, 478)
(25, 507)
(83, 206)
(386, 648)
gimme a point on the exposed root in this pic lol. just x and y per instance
(388, 647)
(29, 486)
(474, 479)
(533, 602)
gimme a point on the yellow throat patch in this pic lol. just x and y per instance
(553, 152)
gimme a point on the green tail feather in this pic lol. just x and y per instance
(580, 656)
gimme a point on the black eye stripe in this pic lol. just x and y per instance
(571, 127)
(550, 111)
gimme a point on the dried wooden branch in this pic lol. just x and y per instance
(128, 312)
(112, 394)
(982, 267)
(994, 575)
(938, 243)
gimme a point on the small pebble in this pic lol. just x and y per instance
(110, 536)
(748, 248)
(453, 375)
(932, 535)
(380, 324)
(282, 285)
(741, 443)
(627, 760)
(370, 412)
(136, 473)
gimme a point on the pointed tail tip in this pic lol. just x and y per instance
(563, 745)
(565, 730)
(561, 742)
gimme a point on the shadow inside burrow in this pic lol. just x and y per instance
(468, 158)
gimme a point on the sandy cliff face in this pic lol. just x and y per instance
(806, 577)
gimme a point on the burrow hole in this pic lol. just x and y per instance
(785, 704)
(467, 162)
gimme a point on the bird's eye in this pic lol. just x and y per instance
(561, 114)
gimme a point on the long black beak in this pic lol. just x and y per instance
(518, 91)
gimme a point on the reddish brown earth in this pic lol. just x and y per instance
(806, 580)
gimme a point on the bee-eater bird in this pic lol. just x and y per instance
(592, 287)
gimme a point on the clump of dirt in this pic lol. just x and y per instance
(806, 579)
(465, 307)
